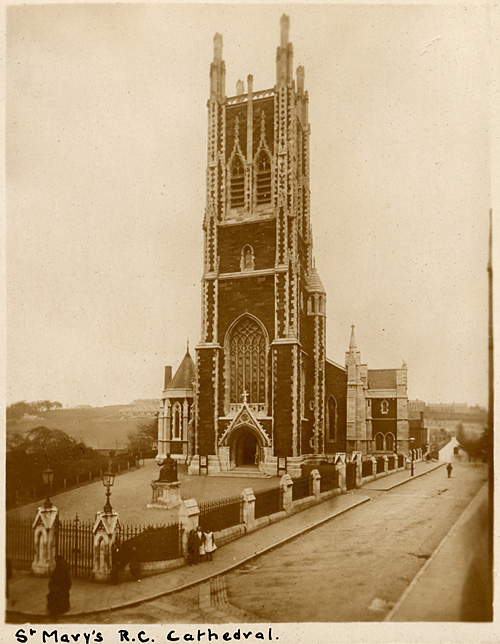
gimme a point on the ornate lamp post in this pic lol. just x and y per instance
(108, 479)
(412, 442)
(48, 477)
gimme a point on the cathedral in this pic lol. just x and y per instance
(261, 391)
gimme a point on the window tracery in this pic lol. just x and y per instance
(176, 421)
(331, 418)
(237, 183)
(247, 357)
(263, 178)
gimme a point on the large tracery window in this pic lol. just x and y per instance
(237, 183)
(247, 351)
(263, 179)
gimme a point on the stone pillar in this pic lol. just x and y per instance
(248, 497)
(341, 468)
(374, 466)
(44, 534)
(286, 484)
(315, 483)
(189, 515)
(104, 538)
(386, 464)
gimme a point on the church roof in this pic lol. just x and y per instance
(314, 283)
(184, 375)
(382, 378)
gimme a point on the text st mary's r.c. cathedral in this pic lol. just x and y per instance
(262, 386)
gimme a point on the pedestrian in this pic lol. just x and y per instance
(449, 468)
(116, 564)
(209, 544)
(201, 541)
(59, 585)
(192, 548)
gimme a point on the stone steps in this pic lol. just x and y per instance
(241, 472)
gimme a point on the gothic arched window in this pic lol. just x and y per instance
(389, 442)
(263, 178)
(176, 421)
(331, 418)
(384, 407)
(247, 362)
(237, 183)
(247, 258)
(379, 442)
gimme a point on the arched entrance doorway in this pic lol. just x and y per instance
(246, 449)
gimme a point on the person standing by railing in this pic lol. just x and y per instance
(210, 546)
(201, 544)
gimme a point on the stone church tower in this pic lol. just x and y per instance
(263, 388)
(260, 388)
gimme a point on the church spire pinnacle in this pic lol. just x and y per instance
(352, 343)
(284, 55)
(285, 29)
(217, 71)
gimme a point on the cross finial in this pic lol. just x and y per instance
(187, 345)
(245, 396)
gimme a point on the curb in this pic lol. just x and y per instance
(412, 478)
(422, 570)
(190, 584)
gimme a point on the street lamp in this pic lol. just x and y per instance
(48, 477)
(412, 441)
(108, 479)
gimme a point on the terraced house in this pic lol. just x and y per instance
(262, 387)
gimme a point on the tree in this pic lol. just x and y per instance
(474, 443)
(143, 438)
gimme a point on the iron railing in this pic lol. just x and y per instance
(152, 543)
(20, 547)
(329, 482)
(300, 489)
(350, 475)
(220, 514)
(75, 543)
(401, 460)
(380, 465)
(268, 502)
(392, 462)
(367, 468)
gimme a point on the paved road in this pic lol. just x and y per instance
(354, 568)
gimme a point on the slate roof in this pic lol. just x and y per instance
(184, 375)
(314, 283)
(382, 378)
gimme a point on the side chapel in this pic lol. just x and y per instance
(261, 386)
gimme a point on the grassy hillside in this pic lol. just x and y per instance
(98, 427)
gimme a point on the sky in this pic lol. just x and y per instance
(106, 134)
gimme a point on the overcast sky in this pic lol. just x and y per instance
(106, 159)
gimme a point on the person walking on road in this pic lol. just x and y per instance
(59, 585)
(449, 468)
